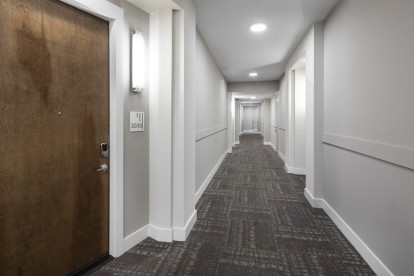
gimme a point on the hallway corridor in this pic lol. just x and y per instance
(253, 219)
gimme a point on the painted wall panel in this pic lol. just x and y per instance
(208, 153)
(375, 199)
(136, 170)
(211, 89)
(211, 112)
(368, 96)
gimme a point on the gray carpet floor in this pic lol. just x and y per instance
(253, 219)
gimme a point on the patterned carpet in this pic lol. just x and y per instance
(252, 220)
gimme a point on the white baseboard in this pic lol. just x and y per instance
(288, 169)
(282, 156)
(314, 202)
(299, 171)
(181, 234)
(203, 187)
(373, 261)
(270, 144)
(160, 234)
(136, 237)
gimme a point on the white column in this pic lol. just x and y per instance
(230, 120)
(183, 195)
(160, 124)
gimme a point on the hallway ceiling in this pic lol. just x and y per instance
(225, 27)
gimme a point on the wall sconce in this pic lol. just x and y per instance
(137, 61)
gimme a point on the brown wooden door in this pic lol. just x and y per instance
(54, 86)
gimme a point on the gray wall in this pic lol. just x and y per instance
(369, 102)
(211, 113)
(136, 165)
(253, 86)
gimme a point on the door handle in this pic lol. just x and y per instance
(103, 168)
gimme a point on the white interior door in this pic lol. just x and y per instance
(248, 118)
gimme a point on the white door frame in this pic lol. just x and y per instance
(115, 16)
(290, 141)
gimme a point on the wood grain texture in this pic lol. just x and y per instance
(54, 88)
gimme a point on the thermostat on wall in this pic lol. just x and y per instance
(136, 121)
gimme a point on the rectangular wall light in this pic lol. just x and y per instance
(137, 61)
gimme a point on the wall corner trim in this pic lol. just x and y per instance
(288, 169)
(314, 202)
(136, 237)
(181, 234)
(374, 262)
(282, 156)
(160, 234)
(270, 144)
(203, 187)
(299, 171)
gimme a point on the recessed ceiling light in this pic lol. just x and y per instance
(258, 27)
(253, 74)
(252, 97)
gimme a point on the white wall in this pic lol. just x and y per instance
(211, 113)
(161, 110)
(369, 132)
(136, 165)
(300, 120)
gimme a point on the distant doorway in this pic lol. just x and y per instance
(250, 118)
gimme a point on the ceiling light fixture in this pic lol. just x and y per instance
(258, 27)
(252, 97)
(253, 74)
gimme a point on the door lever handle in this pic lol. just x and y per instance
(103, 168)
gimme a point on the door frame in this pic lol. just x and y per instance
(115, 16)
